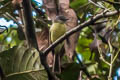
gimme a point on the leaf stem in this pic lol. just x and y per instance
(24, 72)
(111, 64)
(101, 56)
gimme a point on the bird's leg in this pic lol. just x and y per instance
(56, 64)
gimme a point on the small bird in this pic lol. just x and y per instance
(94, 46)
(98, 47)
(57, 29)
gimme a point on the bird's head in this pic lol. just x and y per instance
(60, 19)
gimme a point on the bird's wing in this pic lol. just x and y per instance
(49, 39)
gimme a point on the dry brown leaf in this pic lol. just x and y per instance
(50, 8)
(71, 23)
(42, 39)
(64, 4)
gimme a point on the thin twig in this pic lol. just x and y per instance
(111, 65)
(110, 70)
(105, 61)
(38, 10)
(96, 4)
(11, 17)
(100, 22)
(24, 72)
(115, 56)
(101, 56)
(80, 76)
(5, 5)
(3, 29)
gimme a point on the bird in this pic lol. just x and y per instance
(57, 29)
(94, 46)
(97, 47)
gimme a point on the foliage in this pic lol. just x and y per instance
(21, 63)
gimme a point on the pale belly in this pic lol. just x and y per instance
(57, 32)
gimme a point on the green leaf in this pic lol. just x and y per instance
(78, 3)
(83, 47)
(21, 63)
(71, 72)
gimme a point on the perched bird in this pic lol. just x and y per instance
(98, 47)
(57, 29)
(94, 46)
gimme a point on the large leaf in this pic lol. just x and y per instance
(83, 47)
(78, 3)
(20, 63)
(71, 72)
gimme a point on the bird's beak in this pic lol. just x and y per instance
(66, 19)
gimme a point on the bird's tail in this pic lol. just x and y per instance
(56, 64)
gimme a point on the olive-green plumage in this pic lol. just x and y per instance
(57, 29)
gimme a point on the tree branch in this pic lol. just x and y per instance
(14, 19)
(79, 28)
(5, 5)
(29, 25)
(38, 10)
(31, 37)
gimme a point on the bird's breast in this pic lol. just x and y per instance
(57, 30)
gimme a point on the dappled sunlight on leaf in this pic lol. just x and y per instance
(21, 59)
